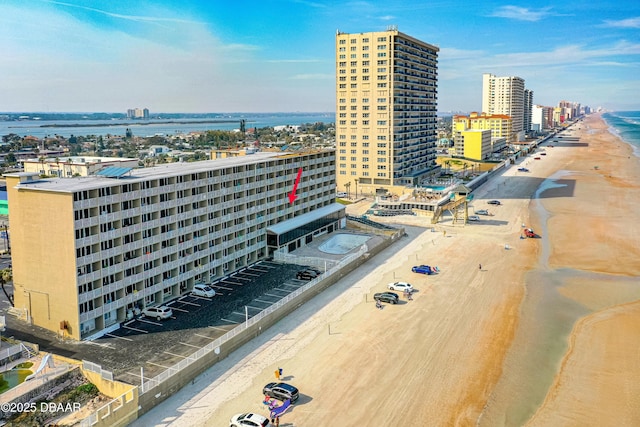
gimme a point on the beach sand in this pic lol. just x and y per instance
(474, 347)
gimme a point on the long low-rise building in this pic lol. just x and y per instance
(88, 251)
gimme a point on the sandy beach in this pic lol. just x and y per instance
(545, 333)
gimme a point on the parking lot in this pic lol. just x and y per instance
(156, 345)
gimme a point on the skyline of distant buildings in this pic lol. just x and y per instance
(138, 113)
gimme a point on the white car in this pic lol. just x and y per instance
(473, 218)
(202, 290)
(249, 419)
(400, 286)
(161, 312)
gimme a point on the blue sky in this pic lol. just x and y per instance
(279, 55)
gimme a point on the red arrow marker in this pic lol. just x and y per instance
(292, 195)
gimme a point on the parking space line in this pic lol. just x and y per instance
(264, 301)
(180, 309)
(243, 278)
(151, 363)
(230, 321)
(255, 308)
(189, 345)
(150, 322)
(290, 286)
(234, 283)
(193, 303)
(251, 274)
(203, 336)
(222, 287)
(122, 338)
(218, 328)
(136, 329)
(176, 355)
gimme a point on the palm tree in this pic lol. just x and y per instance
(6, 276)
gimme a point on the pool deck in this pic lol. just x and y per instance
(312, 249)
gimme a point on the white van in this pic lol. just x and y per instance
(341, 194)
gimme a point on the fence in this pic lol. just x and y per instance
(148, 385)
(7, 354)
(93, 367)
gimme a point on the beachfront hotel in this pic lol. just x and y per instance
(88, 251)
(386, 99)
(506, 95)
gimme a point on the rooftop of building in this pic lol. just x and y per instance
(70, 185)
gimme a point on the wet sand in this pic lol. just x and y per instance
(513, 343)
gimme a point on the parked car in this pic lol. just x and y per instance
(536, 158)
(482, 212)
(306, 275)
(159, 312)
(423, 269)
(281, 391)
(543, 154)
(341, 194)
(203, 290)
(523, 169)
(473, 218)
(315, 270)
(249, 420)
(494, 202)
(388, 297)
(400, 286)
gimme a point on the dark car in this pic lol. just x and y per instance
(494, 202)
(281, 391)
(306, 275)
(315, 270)
(388, 297)
(523, 169)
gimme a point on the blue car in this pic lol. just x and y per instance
(423, 269)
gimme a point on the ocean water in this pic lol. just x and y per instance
(626, 125)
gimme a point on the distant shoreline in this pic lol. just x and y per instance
(115, 124)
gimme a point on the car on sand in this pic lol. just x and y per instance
(423, 269)
(281, 391)
(249, 420)
(482, 212)
(523, 170)
(388, 297)
(400, 286)
(494, 202)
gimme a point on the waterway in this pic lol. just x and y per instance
(66, 128)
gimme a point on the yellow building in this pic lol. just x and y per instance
(86, 252)
(476, 144)
(386, 99)
(498, 124)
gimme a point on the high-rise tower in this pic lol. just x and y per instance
(505, 95)
(386, 104)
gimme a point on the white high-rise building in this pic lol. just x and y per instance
(505, 95)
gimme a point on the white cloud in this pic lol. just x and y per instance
(520, 13)
(623, 23)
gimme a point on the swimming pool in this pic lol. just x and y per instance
(343, 243)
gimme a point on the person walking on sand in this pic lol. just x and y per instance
(480, 267)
